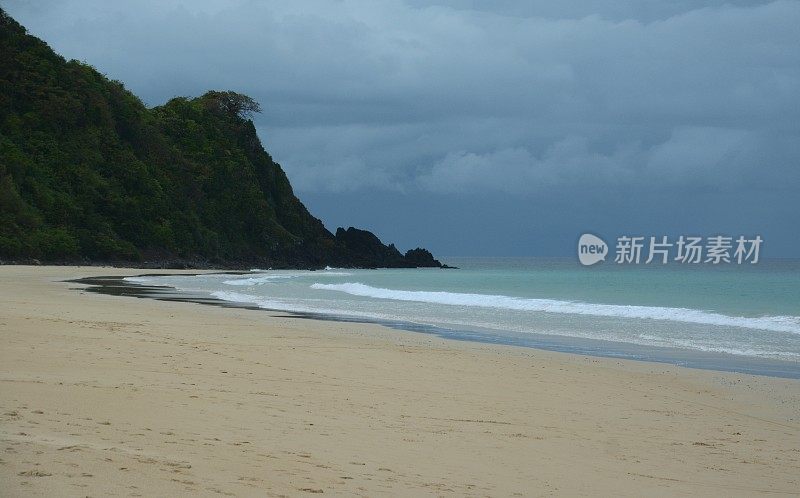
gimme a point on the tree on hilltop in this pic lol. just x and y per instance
(232, 103)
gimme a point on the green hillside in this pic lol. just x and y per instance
(89, 173)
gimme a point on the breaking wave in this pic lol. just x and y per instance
(790, 324)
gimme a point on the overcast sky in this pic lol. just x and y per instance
(488, 127)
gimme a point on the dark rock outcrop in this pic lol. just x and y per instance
(363, 249)
(421, 258)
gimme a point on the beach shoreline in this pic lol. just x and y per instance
(104, 394)
(725, 362)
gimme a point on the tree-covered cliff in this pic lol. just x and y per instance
(89, 173)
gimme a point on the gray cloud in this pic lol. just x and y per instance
(477, 98)
(691, 156)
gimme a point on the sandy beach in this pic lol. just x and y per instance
(118, 396)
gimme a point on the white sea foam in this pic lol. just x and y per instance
(139, 280)
(333, 308)
(238, 297)
(268, 279)
(790, 324)
(294, 306)
(782, 355)
(257, 280)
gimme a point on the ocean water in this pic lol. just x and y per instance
(741, 312)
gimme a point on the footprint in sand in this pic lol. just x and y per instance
(34, 473)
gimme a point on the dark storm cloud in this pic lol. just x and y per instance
(485, 102)
(643, 10)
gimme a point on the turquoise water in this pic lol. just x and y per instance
(748, 311)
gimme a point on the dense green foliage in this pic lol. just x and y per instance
(87, 172)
